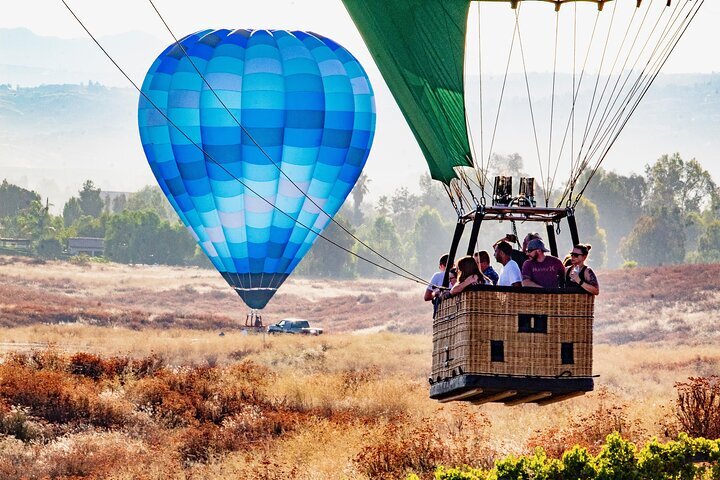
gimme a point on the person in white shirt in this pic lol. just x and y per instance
(510, 275)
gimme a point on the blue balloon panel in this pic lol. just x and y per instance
(304, 103)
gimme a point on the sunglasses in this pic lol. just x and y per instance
(573, 254)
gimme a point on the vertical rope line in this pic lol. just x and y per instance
(502, 95)
(552, 95)
(642, 78)
(481, 178)
(590, 116)
(612, 98)
(679, 33)
(572, 113)
(532, 113)
(573, 108)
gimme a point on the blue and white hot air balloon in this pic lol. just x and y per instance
(270, 98)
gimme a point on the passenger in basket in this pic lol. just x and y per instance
(544, 271)
(579, 275)
(468, 274)
(452, 276)
(433, 289)
(510, 275)
(517, 255)
(483, 260)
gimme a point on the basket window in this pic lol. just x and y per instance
(567, 353)
(532, 323)
(497, 351)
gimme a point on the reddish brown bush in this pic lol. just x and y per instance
(57, 397)
(87, 365)
(589, 431)
(197, 395)
(421, 446)
(698, 406)
(397, 451)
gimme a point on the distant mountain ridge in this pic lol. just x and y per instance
(61, 127)
(35, 60)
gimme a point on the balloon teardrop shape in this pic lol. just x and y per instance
(270, 100)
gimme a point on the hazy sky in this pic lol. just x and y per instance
(49, 17)
(328, 17)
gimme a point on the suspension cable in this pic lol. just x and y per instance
(552, 95)
(680, 32)
(613, 99)
(413, 278)
(532, 114)
(576, 91)
(502, 95)
(481, 177)
(611, 124)
(452, 199)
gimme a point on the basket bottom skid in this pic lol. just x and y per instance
(478, 389)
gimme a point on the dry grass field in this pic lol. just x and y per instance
(120, 372)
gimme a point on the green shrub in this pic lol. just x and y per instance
(686, 458)
(462, 473)
(578, 463)
(617, 459)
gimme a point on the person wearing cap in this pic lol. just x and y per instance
(540, 270)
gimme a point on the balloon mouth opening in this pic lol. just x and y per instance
(256, 289)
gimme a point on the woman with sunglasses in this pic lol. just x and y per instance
(578, 275)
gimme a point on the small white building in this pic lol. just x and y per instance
(94, 247)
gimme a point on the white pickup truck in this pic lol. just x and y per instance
(294, 325)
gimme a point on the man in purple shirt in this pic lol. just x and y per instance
(540, 270)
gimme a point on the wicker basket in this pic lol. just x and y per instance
(515, 332)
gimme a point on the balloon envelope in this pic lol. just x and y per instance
(305, 105)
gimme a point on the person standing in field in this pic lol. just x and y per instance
(540, 270)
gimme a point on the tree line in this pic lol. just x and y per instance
(669, 215)
(139, 228)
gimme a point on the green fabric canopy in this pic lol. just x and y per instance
(419, 46)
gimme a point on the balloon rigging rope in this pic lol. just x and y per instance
(609, 123)
(552, 97)
(500, 102)
(570, 125)
(604, 125)
(481, 177)
(677, 36)
(264, 152)
(414, 278)
(569, 187)
(593, 112)
(652, 58)
(532, 112)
